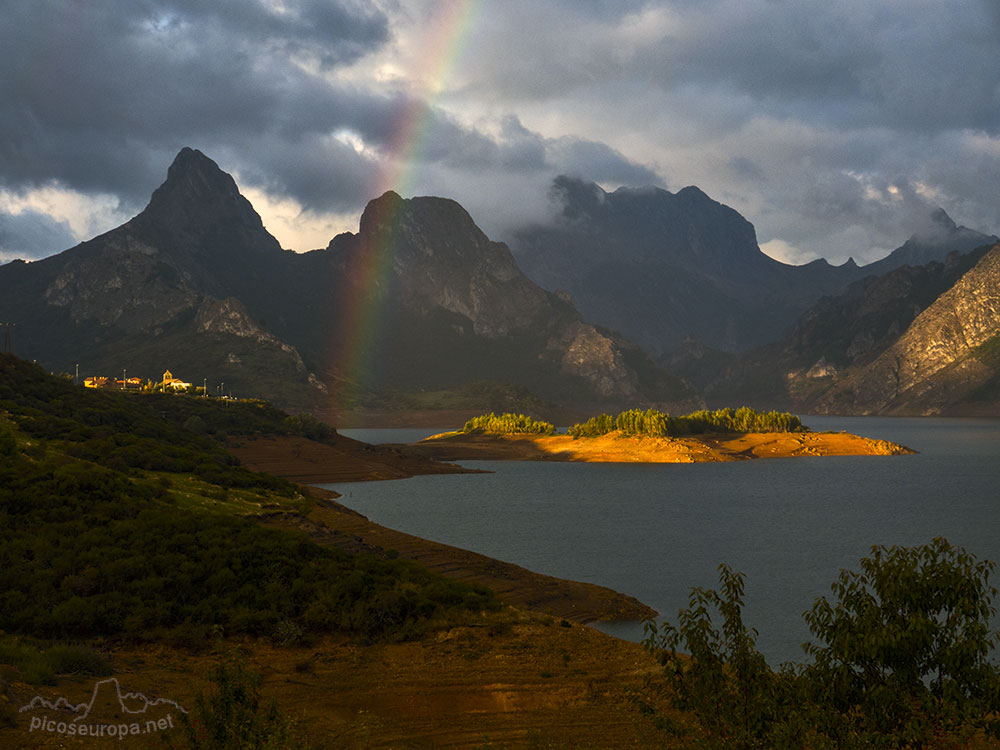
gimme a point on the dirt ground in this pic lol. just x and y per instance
(517, 681)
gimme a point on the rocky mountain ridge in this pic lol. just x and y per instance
(916, 340)
(946, 356)
(666, 268)
(195, 283)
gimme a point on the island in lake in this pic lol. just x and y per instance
(649, 436)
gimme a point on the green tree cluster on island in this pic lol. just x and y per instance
(655, 423)
(903, 660)
(508, 424)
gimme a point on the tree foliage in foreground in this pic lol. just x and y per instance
(508, 424)
(655, 423)
(902, 660)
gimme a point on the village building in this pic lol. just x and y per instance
(170, 383)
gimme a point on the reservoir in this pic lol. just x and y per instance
(655, 530)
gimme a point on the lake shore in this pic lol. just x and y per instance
(617, 448)
(329, 523)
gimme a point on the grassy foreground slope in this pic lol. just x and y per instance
(120, 517)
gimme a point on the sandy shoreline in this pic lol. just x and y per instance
(616, 448)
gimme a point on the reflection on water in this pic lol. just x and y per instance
(654, 531)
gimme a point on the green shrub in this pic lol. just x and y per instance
(594, 427)
(67, 659)
(234, 716)
(903, 663)
(508, 424)
(655, 423)
(8, 445)
(40, 667)
(905, 648)
(721, 679)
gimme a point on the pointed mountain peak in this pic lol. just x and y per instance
(198, 193)
(695, 193)
(937, 228)
(194, 175)
(942, 219)
(932, 240)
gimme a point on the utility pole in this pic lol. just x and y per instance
(204, 387)
(76, 379)
(123, 378)
(7, 344)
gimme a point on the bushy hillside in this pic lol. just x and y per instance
(121, 517)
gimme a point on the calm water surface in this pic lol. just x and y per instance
(656, 530)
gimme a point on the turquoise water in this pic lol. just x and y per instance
(656, 530)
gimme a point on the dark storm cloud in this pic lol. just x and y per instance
(99, 95)
(850, 63)
(30, 235)
(799, 113)
(601, 163)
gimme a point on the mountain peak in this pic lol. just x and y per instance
(390, 211)
(935, 228)
(194, 175)
(940, 217)
(198, 193)
(935, 237)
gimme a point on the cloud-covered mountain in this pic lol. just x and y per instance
(832, 125)
(418, 298)
(664, 267)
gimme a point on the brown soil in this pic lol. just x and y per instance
(616, 448)
(509, 681)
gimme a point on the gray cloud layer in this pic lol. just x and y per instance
(833, 126)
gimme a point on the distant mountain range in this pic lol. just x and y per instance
(917, 340)
(666, 268)
(420, 298)
(420, 301)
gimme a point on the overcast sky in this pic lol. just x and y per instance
(832, 125)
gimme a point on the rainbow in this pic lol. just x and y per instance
(359, 313)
